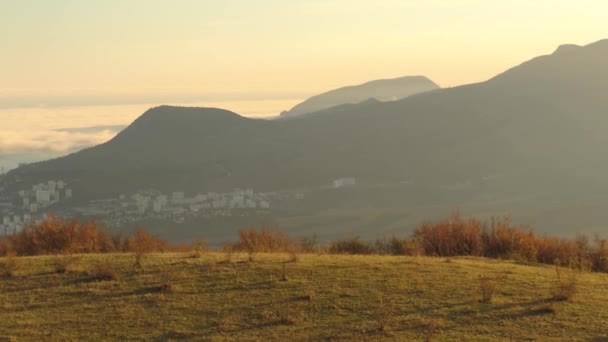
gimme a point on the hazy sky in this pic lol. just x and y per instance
(275, 47)
(71, 63)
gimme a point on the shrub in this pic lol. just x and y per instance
(599, 256)
(265, 240)
(487, 287)
(396, 246)
(198, 248)
(350, 246)
(293, 255)
(566, 285)
(168, 281)
(140, 259)
(62, 263)
(450, 237)
(283, 272)
(309, 244)
(54, 235)
(103, 271)
(383, 313)
(10, 265)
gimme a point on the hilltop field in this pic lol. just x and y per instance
(218, 296)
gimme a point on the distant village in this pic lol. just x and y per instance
(55, 195)
(31, 204)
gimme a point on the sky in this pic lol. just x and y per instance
(74, 63)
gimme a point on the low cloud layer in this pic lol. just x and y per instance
(31, 134)
(15, 142)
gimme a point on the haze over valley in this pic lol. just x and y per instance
(303, 170)
(509, 145)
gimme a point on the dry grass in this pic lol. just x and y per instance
(327, 297)
(487, 287)
(63, 263)
(566, 284)
(103, 271)
(9, 265)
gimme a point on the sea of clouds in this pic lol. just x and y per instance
(29, 134)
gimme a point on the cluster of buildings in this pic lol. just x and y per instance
(27, 205)
(344, 182)
(44, 195)
(175, 206)
(238, 199)
(31, 204)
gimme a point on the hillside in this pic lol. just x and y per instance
(379, 90)
(324, 297)
(529, 141)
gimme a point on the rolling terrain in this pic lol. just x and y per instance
(218, 297)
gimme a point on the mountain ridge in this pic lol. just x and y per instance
(382, 90)
(533, 134)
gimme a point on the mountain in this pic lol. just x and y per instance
(530, 141)
(381, 90)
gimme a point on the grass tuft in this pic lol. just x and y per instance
(103, 271)
(9, 265)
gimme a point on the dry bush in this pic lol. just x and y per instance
(566, 284)
(102, 271)
(309, 244)
(143, 242)
(63, 263)
(9, 265)
(396, 246)
(228, 250)
(169, 281)
(284, 272)
(350, 246)
(265, 240)
(293, 255)
(383, 313)
(140, 259)
(5, 247)
(599, 256)
(487, 287)
(450, 237)
(54, 235)
(198, 248)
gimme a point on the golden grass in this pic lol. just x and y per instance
(321, 297)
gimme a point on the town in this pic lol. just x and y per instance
(32, 205)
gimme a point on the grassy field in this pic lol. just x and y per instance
(316, 298)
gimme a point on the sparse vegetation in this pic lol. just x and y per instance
(384, 313)
(566, 282)
(63, 263)
(487, 287)
(9, 265)
(317, 296)
(326, 297)
(102, 271)
(350, 246)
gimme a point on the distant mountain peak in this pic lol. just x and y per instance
(566, 48)
(381, 90)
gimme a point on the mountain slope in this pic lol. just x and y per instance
(381, 90)
(533, 136)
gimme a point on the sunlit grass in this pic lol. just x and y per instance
(317, 297)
